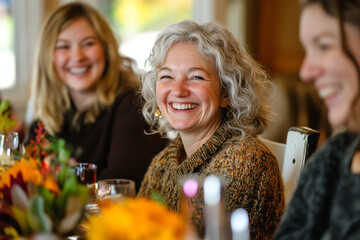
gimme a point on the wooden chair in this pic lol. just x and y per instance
(301, 142)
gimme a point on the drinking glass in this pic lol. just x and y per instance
(114, 190)
(86, 173)
(8, 144)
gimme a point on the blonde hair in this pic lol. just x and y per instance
(243, 80)
(49, 93)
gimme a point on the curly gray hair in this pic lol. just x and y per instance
(243, 80)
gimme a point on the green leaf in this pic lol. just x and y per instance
(48, 200)
(83, 192)
(69, 188)
(4, 105)
(6, 123)
(21, 218)
(39, 221)
(65, 173)
(157, 197)
(63, 152)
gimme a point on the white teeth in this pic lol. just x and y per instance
(78, 70)
(326, 92)
(183, 106)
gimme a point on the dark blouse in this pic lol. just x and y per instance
(326, 203)
(116, 141)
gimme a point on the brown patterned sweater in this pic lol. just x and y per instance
(251, 173)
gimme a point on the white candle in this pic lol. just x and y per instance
(240, 225)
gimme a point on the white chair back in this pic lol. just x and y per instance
(301, 142)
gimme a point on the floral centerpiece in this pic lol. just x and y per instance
(136, 219)
(40, 193)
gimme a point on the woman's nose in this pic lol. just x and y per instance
(181, 88)
(78, 54)
(309, 70)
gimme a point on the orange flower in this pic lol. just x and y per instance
(136, 219)
(51, 184)
(29, 170)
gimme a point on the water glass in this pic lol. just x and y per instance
(8, 144)
(114, 190)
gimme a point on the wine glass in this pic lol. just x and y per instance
(8, 144)
(114, 190)
(86, 173)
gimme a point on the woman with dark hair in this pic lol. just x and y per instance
(326, 204)
(84, 91)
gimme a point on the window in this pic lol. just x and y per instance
(138, 22)
(7, 55)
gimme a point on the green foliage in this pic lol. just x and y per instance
(48, 200)
(45, 207)
(21, 217)
(6, 123)
(59, 147)
(70, 186)
(38, 220)
(157, 197)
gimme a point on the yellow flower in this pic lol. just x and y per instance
(29, 170)
(136, 219)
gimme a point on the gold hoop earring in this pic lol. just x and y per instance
(158, 114)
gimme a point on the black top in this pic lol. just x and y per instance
(326, 204)
(116, 141)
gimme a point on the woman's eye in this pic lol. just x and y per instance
(61, 47)
(165, 77)
(198, 78)
(324, 47)
(90, 43)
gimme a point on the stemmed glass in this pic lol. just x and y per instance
(86, 174)
(8, 144)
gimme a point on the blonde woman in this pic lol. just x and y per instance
(84, 92)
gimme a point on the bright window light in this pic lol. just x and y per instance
(138, 22)
(7, 55)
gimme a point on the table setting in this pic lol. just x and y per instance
(46, 195)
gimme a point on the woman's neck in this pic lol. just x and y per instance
(82, 100)
(192, 141)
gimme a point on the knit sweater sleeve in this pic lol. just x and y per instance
(255, 184)
(146, 187)
(252, 181)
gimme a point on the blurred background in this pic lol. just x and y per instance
(268, 29)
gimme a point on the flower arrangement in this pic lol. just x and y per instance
(40, 193)
(136, 219)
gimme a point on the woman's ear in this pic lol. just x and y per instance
(224, 101)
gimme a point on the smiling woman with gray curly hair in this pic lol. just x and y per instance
(242, 79)
(204, 85)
